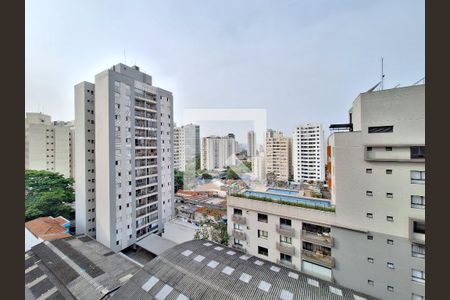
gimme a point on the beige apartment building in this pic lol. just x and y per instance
(48, 145)
(278, 155)
(370, 236)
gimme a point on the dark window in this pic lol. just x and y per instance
(285, 222)
(262, 218)
(388, 148)
(370, 259)
(417, 152)
(370, 237)
(419, 227)
(381, 129)
(370, 282)
(238, 212)
(390, 218)
(390, 242)
(285, 257)
(263, 251)
(390, 288)
(369, 193)
(369, 215)
(369, 148)
(388, 171)
(369, 171)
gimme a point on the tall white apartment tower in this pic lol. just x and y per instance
(218, 152)
(48, 145)
(308, 154)
(85, 158)
(133, 157)
(178, 148)
(251, 144)
(278, 155)
(186, 147)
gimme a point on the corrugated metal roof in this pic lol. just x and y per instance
(223, 276)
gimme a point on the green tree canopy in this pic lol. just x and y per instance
(231, 174)
(206, 176)
(48, 194)
(179, 180)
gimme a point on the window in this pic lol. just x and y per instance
(381, 129)
(418, 177)
(285, 222)
(262, 218)
(389, 195)
(237, 226)
(390, 265)
(417, 201)
(369, 148)
(418, 250)
(370, 259)
(369, 171)
(418, 276)
(388, 171)
(388, 148)
(390, 242)
(263, 234)
(370, 282)
(390, 288)
(286, 239)
(390, 218)
(263, 251)
(237, 242)
(417, 152)
(417, 297)
(370, 237)
(285, 257)
(369, 193)
(238, 212)
(369, 215)
(419, 227)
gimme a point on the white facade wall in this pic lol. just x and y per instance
(308, 155)
(251, 144)
(259, 167)
(179, 149)
(218, 152)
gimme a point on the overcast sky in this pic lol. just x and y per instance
(303, 61)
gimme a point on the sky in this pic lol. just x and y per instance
(302, 61)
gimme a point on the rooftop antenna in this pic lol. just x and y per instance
(419, 81)
(382, 74)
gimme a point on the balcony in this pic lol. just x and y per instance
(317, 238)
(286, 230)
(239, 247)
(318, 258)
(286, 248)
(239, 235)
(239, 219)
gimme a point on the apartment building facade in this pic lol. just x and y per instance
(218, 152)
(186, 147)
(251, 144)
(308, 153)
(278, 155)
(259, 167)
(48, 145)
(133, 157)
(179, 148)
(373, 237)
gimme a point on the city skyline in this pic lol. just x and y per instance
(286, 58)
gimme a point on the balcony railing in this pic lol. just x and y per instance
(239, 219)
(317, 238)
(239, 235)
(286, 248)
(318, 258)
(286, 230)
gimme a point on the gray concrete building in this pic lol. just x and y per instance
(370, 236)
(251, 144)
(133, 157)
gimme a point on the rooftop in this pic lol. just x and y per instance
(74, 268)
(48, 228)
(201, 269)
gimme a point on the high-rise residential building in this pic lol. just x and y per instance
(48, 145)
(178, 148)
(308, 153)
(85, 158)
(370, 236)
(278, 155)
(259, 167)
(218, 152)
(133, 194)
(251, 144)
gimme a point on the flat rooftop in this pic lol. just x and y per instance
(74, 268)
(202, 269)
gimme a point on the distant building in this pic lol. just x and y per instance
(259, 167)
(49, 228)
(186, 147)
(48, 145)
(218, 152)
(178, 148)
(278, 155)
(251, 144)
(308, 153)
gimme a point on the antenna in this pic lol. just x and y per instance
(419, 81)
(124, 56)
(382, 74)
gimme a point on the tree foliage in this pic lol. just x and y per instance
(179, 180)
(215, 231)
(248, 164)
(232, 174)
(206, 176)
(48, 194)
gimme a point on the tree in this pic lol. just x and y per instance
(179, 180)
(231, 174)
(48, 194)
(214, 231)
(248, 164)
(197, 163)
(206, 176)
